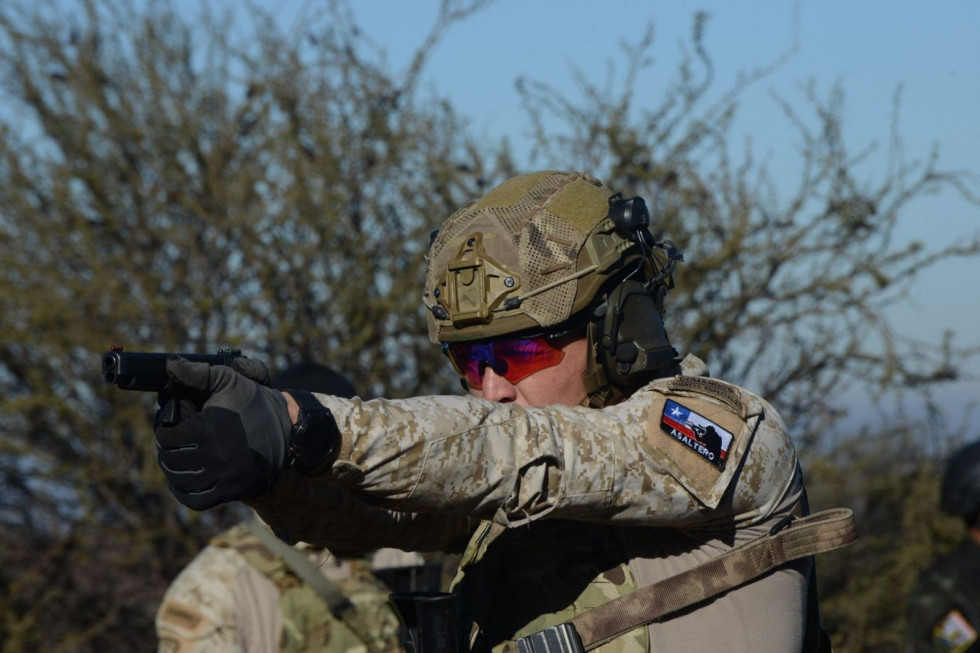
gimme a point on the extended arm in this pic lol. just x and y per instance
(471, 458)
(513, 464)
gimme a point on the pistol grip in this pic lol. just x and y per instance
(170, 412)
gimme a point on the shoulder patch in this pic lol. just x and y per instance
(954, 633)
(728, 395)
(697, 432)
(699, 440)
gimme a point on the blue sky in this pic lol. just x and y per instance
(931, 50)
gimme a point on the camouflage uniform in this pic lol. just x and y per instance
(237, 595)
(944, 611)
(565, 507)
(555, 508)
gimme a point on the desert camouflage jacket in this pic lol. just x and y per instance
(558, 508)
(237, 595)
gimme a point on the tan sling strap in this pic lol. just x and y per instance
(339, 605)
(789, 540)
(300, 564)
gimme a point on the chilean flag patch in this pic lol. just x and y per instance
(696, 432)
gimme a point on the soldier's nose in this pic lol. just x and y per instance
(497, 388)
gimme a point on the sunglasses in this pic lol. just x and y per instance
(512, 358)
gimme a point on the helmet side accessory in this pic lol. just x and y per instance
(628, 338)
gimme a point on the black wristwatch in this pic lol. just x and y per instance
(315, 437)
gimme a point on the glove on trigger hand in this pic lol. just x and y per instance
(177, 398)
(252, 368)
(228, 446)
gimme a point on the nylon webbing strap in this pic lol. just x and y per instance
(299, 563)
(339, 605)
(818, 533)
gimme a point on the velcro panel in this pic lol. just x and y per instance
(581, 204)
(700, 427)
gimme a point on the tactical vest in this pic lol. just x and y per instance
(366, 623)
(562, 571)
(576, 564)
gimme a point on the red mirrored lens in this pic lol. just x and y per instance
(514, 359)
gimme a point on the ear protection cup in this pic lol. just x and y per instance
(633, 343)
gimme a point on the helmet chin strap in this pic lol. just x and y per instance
(600, 393)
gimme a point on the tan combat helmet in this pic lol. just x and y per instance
(542, 249)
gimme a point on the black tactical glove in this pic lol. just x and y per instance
(230, 438)
(252, 369)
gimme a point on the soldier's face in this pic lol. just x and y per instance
(559, 384)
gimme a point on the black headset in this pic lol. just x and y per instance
(633, 346)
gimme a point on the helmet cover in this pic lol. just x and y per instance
(528, 255)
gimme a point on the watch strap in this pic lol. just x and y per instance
(307, 402)
(305, 459)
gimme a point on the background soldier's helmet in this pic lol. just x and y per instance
(961, 484)
(546, 250)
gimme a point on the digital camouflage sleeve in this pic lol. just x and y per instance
(466, 458)
(588, 504)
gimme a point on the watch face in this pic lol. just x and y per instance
(314, 440)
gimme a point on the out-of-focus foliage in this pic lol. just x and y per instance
(167, 183)
(894, 491)
(187, 182)
(783, 291)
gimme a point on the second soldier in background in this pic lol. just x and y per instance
(249, 592)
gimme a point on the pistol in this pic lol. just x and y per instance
(147, 371)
